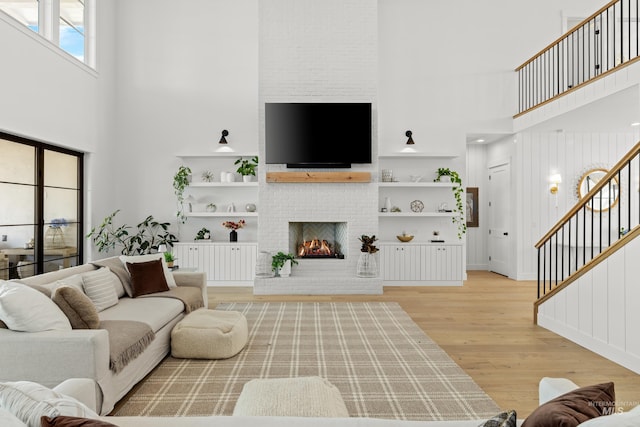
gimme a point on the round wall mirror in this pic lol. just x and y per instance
(606, 198)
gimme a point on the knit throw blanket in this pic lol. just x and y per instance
(127, 340)
(190, 296)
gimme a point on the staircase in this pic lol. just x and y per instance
(589, 268)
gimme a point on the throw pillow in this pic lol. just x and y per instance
(3, 325)
(503, 419)
(78, 308)
(147, 277)
(575, 407)
(151, 257)
(74, 281)
(27, 310)
(621, 419)
(64, 421)
(7, 419)
(115, 265)
(99, 287)
(30, 401)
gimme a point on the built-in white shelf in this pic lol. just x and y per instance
(417, 214)
(224, 184)
(417, 184)
(213, 154)
(220, 214)
(417, 155)
(415, 242)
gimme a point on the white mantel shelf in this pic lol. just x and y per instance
(224, 184)
(417, 155)
(213, 154)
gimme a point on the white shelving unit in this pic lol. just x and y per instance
(221, 214)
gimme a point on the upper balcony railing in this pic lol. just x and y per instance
(601, 44)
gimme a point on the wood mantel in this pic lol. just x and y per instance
(327, 177)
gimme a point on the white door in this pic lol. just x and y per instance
(499, 208)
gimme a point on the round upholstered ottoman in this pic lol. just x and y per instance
(209, 334)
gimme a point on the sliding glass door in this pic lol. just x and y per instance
(41, 203)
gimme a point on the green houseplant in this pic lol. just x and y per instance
(181, 181)
(169, 258)
(279, 262)
(247, 168)
(148, 235)
(454, 177)
(367, 265)
(203, 234)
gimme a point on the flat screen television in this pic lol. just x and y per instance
(318, 135)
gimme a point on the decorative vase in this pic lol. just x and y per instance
(54, 238)
(233, 236)
(246, 178)
(387, 204)
(263, 265)
(367, 266)
(285, 270)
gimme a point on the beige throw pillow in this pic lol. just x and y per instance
(77, 307)
(100, 288)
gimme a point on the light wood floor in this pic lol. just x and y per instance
(486, 327)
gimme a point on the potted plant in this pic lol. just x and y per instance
(247, 168)
(458, 218)
(150, 234)
(203, 234)
(281, 264)
(181, 180)
(169, 258)
(367, 266)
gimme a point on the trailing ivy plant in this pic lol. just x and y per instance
(458, 219)
(180, 182)
(149, 234)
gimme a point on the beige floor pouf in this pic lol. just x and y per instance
(290, 397)
(209, 334)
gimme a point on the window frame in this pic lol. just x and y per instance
(39, 190)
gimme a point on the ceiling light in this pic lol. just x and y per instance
(635, 124)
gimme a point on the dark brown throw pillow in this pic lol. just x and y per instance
(147, 277)
(575, 407)
(65, 421)
(3, 325)
(78, 308)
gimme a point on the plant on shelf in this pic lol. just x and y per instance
(230, 225)
(203, 234)
(181, 181)
(149, 235)
(247, 167)
(459, 218)
(278, 262)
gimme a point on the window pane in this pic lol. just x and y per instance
(17, 204)
(60, 170)
(17, 162)
(72, 27)
(18, 249)
(25, 11)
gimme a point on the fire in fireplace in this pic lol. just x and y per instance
(315, 248)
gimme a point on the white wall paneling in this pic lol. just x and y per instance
(226, 264)
(421, 264)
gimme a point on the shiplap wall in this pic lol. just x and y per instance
(477, 254)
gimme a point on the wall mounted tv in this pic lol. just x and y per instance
(318, 135)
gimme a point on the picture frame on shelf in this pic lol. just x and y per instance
(472, 207)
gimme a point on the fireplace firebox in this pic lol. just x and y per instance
(317, 239)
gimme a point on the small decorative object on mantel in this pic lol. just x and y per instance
(396, 209)
(233, 226)
(207, 176)
(367, 266)
(436, 239)
(404, 237)
(387, 175)
(417, 206)
(281, 264)
(211, 207)
(250, 207)
(203, 234)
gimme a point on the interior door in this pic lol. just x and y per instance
(499, 208)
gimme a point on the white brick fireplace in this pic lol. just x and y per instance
(318, 51)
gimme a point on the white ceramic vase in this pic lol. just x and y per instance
(285, 270)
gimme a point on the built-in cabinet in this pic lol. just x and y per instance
(230, 263)
(421, 263)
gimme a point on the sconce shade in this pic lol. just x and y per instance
(223, 140)
(410, 140)
(555, 179)
(162, 248)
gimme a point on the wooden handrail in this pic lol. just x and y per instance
(603, 182)
(559, 39)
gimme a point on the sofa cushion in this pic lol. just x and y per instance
(147, 277)
(78, 308)
(115, 265)
(156, 312)
(574, 407)
(64, 421)
(99, 287)
(7, 419)
(150, 257)
(30, 401)
(25, 309)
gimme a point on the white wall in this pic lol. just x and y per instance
(601, 310)
(477, 237)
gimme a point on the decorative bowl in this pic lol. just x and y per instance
(405, 237)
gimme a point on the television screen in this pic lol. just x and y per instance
(318, 134)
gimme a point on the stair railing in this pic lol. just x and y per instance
(604, 42)
(608, 212)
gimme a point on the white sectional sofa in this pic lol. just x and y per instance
(52, 356)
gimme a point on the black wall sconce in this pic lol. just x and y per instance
(410, 140)
(223, 140)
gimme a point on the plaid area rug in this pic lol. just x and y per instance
(380, 360)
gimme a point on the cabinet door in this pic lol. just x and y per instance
(234, 263)
(444, 263)
(402, 262)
